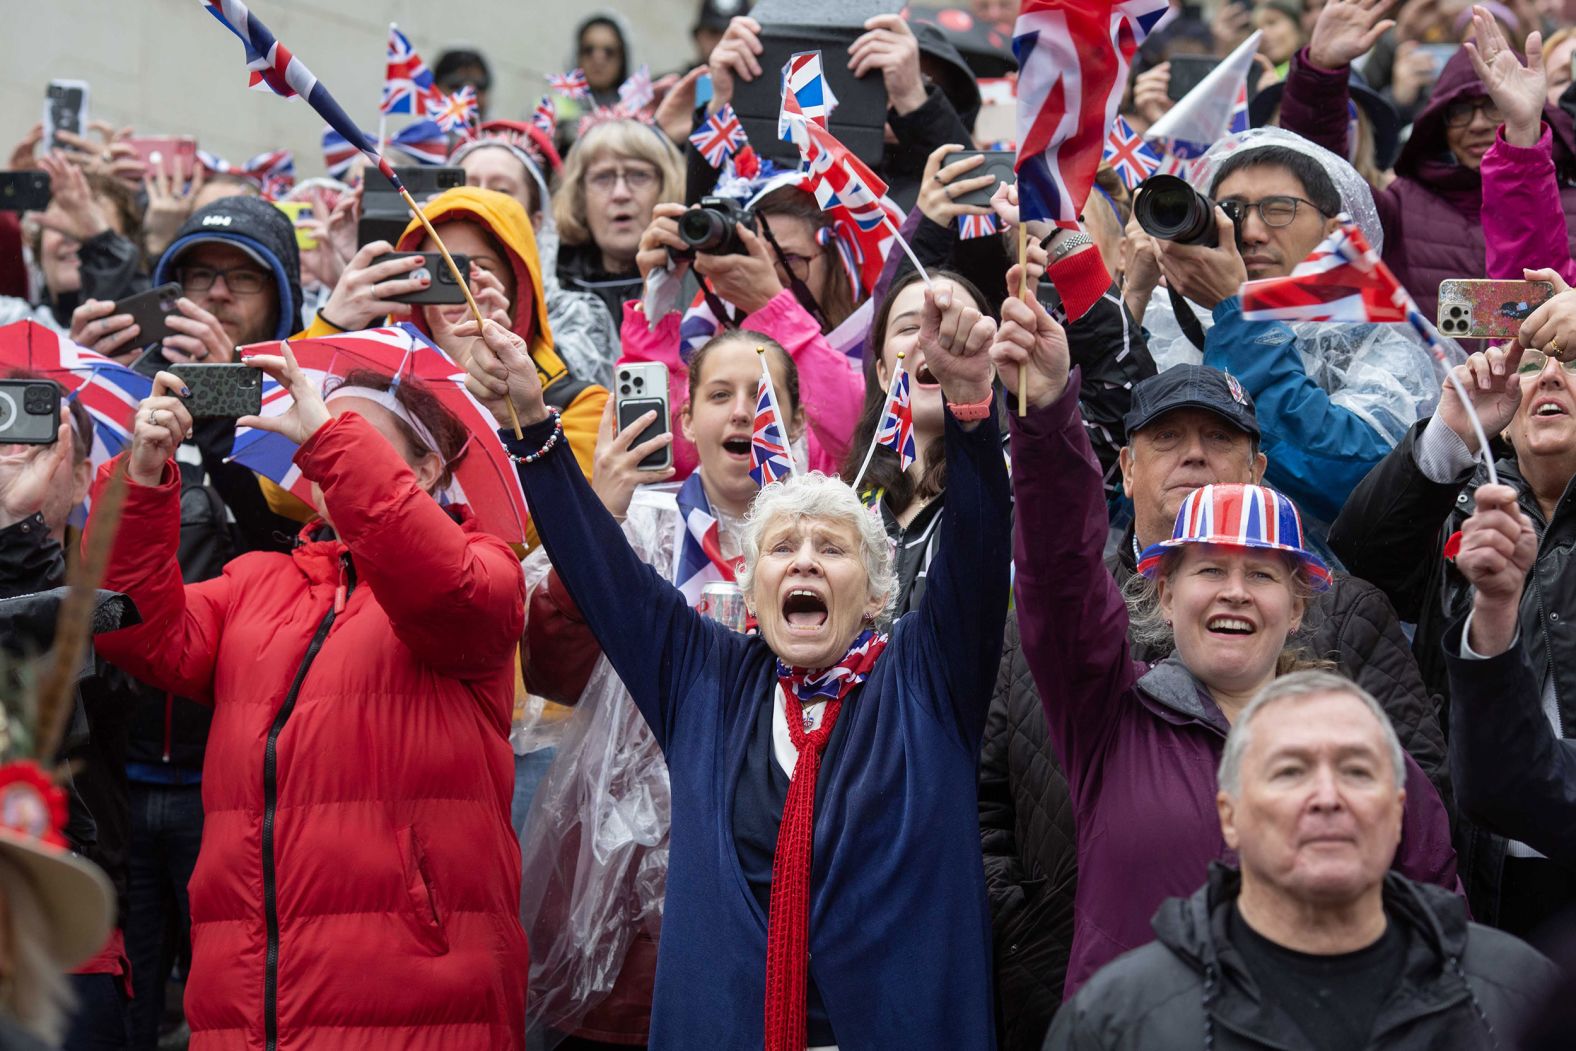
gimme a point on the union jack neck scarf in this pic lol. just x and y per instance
(788, 922)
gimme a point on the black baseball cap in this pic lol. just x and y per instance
(1191, 387)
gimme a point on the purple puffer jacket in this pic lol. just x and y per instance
(1140, 746)
(1431, 213)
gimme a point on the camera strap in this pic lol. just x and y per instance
(800, 291)
(1187, 321)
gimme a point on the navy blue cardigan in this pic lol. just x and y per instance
(899, 924)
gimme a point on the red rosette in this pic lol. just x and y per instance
(31, 804)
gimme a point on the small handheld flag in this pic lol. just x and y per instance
(545, 116)
(571, 85)
(805, 91)
(408, 86)
(896, 429)
(273, 171)
(972, 226)
(770, 458)
(423, 142)
(719, 137)
(636, 93)
(456, 113)
(1128, 156)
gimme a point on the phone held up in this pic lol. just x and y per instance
(24, 191)
(444, 290)
(29, 412)
(639, 389)
(998, 163)
(65, 109)
(1478, 309)
(228, 391)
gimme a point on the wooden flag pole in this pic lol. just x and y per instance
(459, 278)
(1023, 293)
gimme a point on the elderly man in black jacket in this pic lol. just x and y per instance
(1398, 530)
(1186, 427)
(1313, 943)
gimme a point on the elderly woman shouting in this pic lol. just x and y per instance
(1140, 745)
(825, 887)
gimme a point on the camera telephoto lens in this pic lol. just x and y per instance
(1171, 210)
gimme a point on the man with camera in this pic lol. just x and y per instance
(1332, 399)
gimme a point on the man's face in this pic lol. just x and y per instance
(1272, 251)
(239, 291)
(1175, 454)
(1317, 817)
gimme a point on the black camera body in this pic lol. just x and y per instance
(1169, 209)
(29, 412)
(712, 227)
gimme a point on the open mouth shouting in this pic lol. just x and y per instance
(804, 611)
(924, 377)
(737, 446)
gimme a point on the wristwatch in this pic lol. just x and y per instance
(1067, 245)
(976, 411)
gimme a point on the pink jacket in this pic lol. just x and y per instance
(1524, 212)
(831, 386)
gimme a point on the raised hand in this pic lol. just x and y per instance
(96, 326)
(29, 472)
(1205, 275)
(734, 59)
(1346, 30)
(1498, 547)
(943, 183)
(198, 336)
(1552, 327)
(1151, 98)
(365, 292)
(956, 339)
(501, 372)
(675, 112)
(1030, 343)
(1494, 387)
(158, 429)
(169, 203)
(617, 469)
(1519, 91)
(747, 281)
(73, 210)
(307, 411)
(889, 46)
(659, 238)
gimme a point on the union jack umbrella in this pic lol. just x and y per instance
(275, 69)
(572, 84)
(972, 226)
(1241, 516)
(455, 113)
(770, 458)
(107, 389)
(719, 137)
(483, 476)
(1073, 57)
(408, 86)
(1128, 155)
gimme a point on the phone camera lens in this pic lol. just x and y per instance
(623, 388)
(38, 400)
(639, 382)
(1455, 311)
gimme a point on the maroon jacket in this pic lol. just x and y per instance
(1431, 213)
(1140, 745)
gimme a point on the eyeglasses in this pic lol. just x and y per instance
(1534, 361)
(241, 280)
(605, 50)
(637, 179)
(1460, 114)
(1276, 212)
(798, 265)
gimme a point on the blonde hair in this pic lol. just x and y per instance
(621, 138)
(35, 993)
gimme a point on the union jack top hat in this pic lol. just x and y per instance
(1244, 516)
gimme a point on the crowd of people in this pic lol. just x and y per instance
(1175, 678)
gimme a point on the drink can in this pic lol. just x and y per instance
(722, 601)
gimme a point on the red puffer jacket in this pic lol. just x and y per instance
(358, 884)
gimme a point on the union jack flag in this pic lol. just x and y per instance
(423, 142)
(770, 458)
(408, 86)
(806, 94)
(837, 177)
(1239, 515)
(719, 137)
(273, 171)
(697, 546)
(636, 93)
(1128, 156)
(273, 67)
(572, 84)
(972, 226)
(1239, 110)
(1216, 107)
(896, 430)
(1342, 280)
(338, 155)
(455, 113)
(1073, 57)
(545, 116)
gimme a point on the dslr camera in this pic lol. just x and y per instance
(713, 227)
(1170, 210)
(29, 412)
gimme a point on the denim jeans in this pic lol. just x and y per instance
(529, 769)
(166, 830)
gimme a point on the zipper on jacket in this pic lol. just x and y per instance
(347, 576)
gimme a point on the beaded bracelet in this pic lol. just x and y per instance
(547, 446)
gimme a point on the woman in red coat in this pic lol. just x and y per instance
(358, 883)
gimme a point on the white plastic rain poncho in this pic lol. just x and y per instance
(595, 847)
(1380, 373)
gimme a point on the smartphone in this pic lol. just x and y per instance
(24, 191)
(65, 109)
(637, 390)
(149, 310)
(298, 210)
(227, 391)
(1186, 72)
(175, 153)
(997, 162)
(444, 290)
(1479, 309)
(29, 412)
(383, 212)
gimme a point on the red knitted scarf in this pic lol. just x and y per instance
(788, 923)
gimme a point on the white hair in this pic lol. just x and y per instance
(1295, 686)
(816, 495)
(37, 994)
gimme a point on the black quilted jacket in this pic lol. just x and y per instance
(1026, 821)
